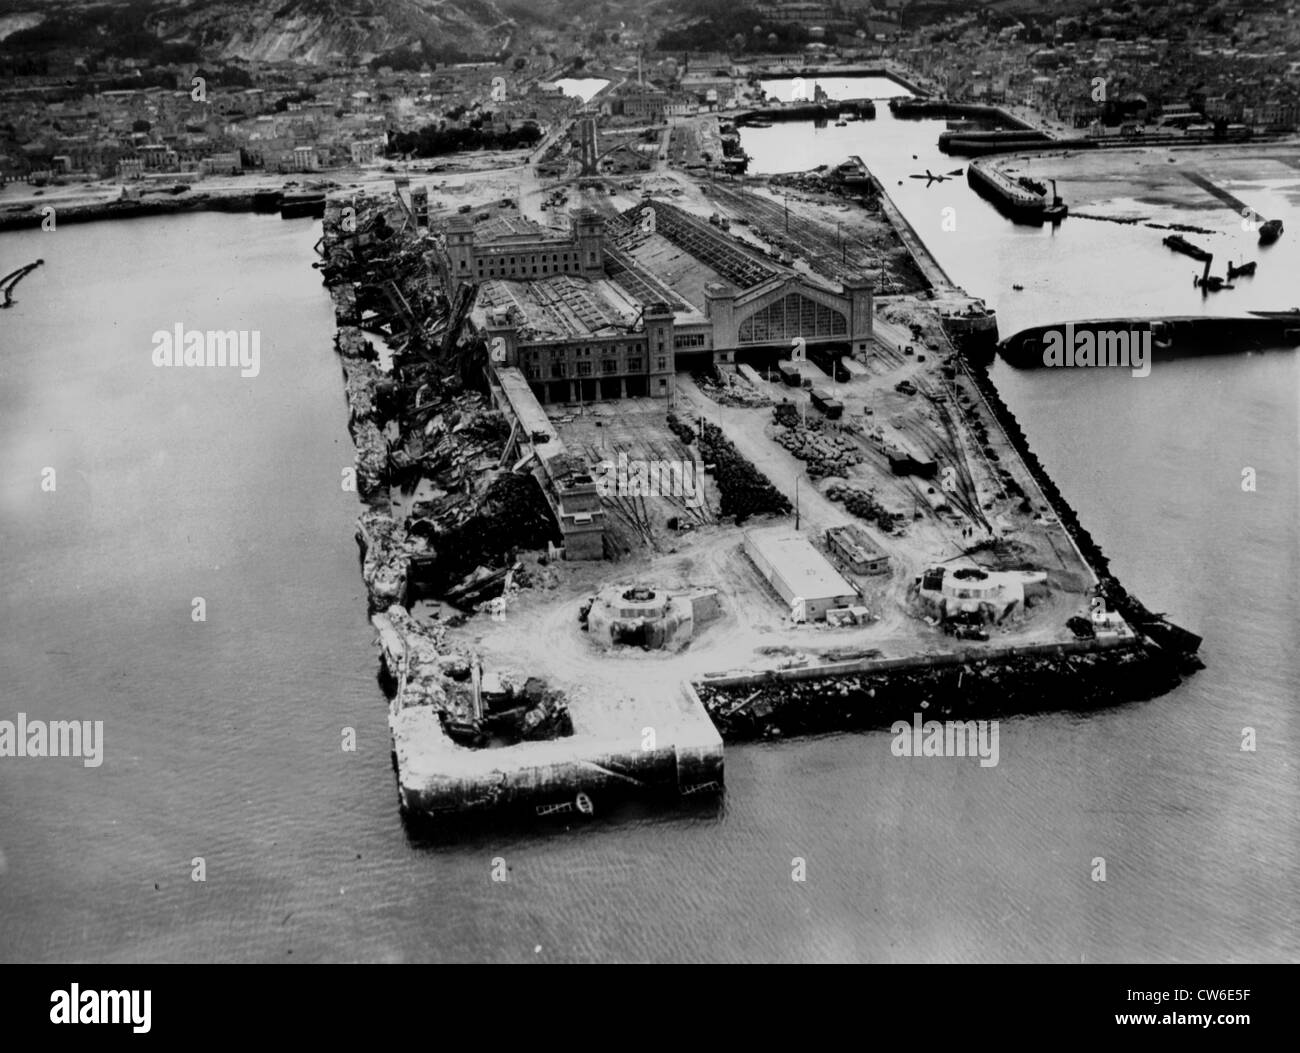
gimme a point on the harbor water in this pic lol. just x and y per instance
(223, 737)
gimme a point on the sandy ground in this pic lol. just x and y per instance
(1123, 183)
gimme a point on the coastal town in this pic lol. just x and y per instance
(111, 125)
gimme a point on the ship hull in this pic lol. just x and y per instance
(1034, 213)
(1181, 337)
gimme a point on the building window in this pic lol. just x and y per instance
(663, 364)
(609, 365)
(584, 369)
(557, 370)
(634, 365)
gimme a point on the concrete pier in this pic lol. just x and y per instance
(679, 756)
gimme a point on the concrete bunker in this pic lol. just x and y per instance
(645, 617)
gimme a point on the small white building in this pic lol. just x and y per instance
(802, 576)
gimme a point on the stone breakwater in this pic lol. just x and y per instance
(1083, 676)
(1178, 642)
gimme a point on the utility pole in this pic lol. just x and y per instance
(796, 503)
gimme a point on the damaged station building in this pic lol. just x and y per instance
(616, 305)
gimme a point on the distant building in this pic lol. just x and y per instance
(643, 101)
(222, 164)
(364, 151)
(305, 159)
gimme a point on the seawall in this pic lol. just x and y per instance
(241, 201)
(1079, 676)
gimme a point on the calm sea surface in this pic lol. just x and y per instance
(222, 737)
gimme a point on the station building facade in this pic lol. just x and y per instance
(584, 319)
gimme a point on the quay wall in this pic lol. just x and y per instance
(1118, 597)
(241, 201)
(438, 778)
(924, 661)
(956, 687)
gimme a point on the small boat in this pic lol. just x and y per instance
(1246, 270)
(760, 124)
(841, 123)
(1270, 232)
(1180, 244)
(1018, 288)
(1213, 283)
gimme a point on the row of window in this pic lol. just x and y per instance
(504, 272)
(585, 352)
(608, 366)
(689, 340)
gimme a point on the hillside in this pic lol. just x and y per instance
(307, 31)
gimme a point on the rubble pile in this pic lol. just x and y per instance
(745, 490)
(487, 709)
(826, 453)
(351, 343)
(920, 319)
(863, 504)
(385, 553)
(975, 689)
(454, 442)
(420, 663)
(728, 389)
(512, 515)
(684, 431)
